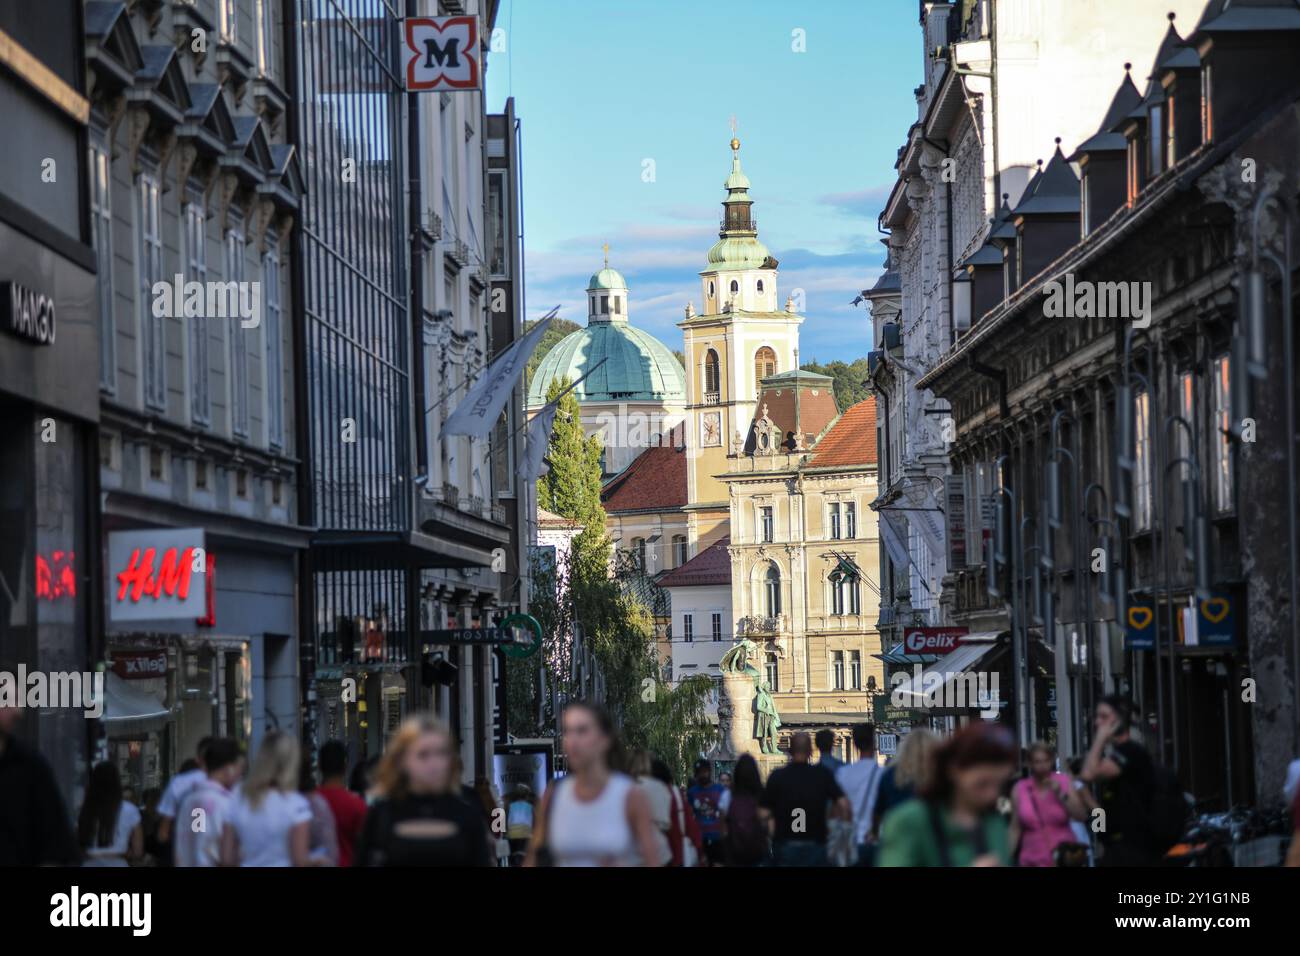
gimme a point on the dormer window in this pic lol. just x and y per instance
(1171, 154)
(1207, 111)
(1155, 140)
(1133, 171)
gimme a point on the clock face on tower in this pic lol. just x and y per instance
(711, 429)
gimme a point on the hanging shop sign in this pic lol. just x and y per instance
(442, 53)
(1140, 627)
(507, 634)
(140, 665)
(157, 575)
(954, 487)
(26, 313)
(933, 640)
(1209, 622)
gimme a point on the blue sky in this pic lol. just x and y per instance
(602, 85)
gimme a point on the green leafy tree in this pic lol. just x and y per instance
(581, 596)
(850, 380)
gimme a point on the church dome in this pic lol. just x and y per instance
(639, 368)
(738, 252)
(607, 278)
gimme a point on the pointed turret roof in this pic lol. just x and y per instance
(1054, 191)
(1108, 138)
(1243, 16)
(1155, 93)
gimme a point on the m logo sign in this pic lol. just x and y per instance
(441, 53)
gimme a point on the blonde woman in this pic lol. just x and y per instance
(269, 821)
(420, 817)
(907, 774)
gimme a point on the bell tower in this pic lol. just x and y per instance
(740, 336)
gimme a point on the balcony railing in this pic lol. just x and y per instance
(711, 398)
(760, 624)
(739, 225)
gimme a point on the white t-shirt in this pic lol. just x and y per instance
(264, 832)
(660, 799)
(178, 788)
(128, 818)
(861, 784)
(197, 836)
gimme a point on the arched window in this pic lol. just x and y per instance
(711, 376)
(772, 591)
(735, 286)
(711, 290)
(764, 364)
(760, 286)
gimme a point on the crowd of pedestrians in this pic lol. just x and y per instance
(969, 799)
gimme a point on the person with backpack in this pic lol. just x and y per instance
(861, 784)
(955, 820)
(746, 841)
(1145, 810)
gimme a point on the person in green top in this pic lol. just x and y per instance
(955, 821)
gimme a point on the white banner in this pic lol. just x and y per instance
(479, 410)
(539, 440)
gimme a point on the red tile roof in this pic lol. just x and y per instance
(851, 440)
(710, 566)
(656, 480)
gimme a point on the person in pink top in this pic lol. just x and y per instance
(1044, 804)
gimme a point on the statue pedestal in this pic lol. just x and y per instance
(736, 716)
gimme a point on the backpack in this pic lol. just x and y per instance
(745, 832)
(1167, 809)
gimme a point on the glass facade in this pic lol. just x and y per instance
(44, 575)
(354, 271)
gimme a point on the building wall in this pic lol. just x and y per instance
(808, 631)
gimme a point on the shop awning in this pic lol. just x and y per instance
(129, 710)
(974, 649)
(897, 655)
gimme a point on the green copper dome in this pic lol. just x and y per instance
(737, 252)
(607, 278)
(640, 368)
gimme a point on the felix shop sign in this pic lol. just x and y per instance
(157, 575)
(933, 640)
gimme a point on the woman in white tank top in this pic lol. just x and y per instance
(594, 816)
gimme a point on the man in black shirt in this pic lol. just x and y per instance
(34, 826)
(799, 796)
(1120, 770)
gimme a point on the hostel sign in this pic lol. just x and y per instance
(441, 53)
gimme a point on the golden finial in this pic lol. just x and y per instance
(735, 143)
(606, 248)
